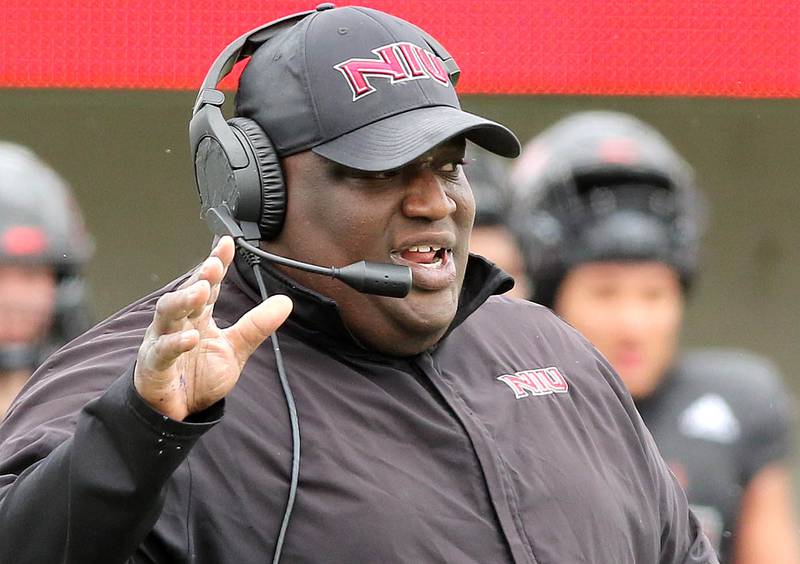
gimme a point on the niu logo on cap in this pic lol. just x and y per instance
(536, 382)
(398, 62)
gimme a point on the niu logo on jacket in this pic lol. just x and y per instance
(398, 62)
(536, 382)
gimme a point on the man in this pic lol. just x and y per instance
(610, 220)
(43, 250)
(490, 235)
(412, 449)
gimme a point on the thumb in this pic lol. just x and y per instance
(247, 334)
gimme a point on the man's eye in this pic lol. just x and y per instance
(385, 175)
(603, 292)
(450, 167)
(381, 175)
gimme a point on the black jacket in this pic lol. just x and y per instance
(472, 452)
(720, 417)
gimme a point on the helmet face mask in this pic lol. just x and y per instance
(41, 226)
(602, 186)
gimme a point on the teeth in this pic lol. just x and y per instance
(424, 248)
(435, 264)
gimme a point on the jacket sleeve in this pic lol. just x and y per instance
(682, 539)
(97, 494)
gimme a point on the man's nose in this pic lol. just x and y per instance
(633, 319)
(427, 198)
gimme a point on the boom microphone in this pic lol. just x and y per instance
(380, 279)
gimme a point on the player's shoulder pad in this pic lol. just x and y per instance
(738, 374)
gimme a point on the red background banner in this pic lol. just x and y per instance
(740, 48)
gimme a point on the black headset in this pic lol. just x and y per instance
(235, 162)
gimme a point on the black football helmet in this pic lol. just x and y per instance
(600, 186)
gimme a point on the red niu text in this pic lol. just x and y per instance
(398, 62)
(536, 382)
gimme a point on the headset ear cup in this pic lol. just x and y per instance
(273, 188)
(216, 183)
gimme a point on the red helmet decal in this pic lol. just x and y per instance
(619, 150)
(24, 240)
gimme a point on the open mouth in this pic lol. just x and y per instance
(432, 266)
(427, 256)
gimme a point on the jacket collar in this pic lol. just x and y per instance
(315, 318)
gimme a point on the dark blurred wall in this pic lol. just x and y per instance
(125, 153)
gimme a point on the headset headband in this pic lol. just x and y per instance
(241, 48)
(207, 118)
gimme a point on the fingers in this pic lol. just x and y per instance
(224, 250)
(174, 308)
(257, 324)
(167, 348)
(216, 265)
(212, 270)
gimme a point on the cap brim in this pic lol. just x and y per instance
(399, 139)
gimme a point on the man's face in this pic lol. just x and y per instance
(631, 312)
(27, 299)
(496, 243)
(418, 216)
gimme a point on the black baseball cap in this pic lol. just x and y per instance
(360, 87)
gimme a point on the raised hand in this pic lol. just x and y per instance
(186, 363)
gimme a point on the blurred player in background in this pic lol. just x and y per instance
(43, 250)
(610, 220)
(491, 236)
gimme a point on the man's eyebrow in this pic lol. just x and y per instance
(336, 170)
